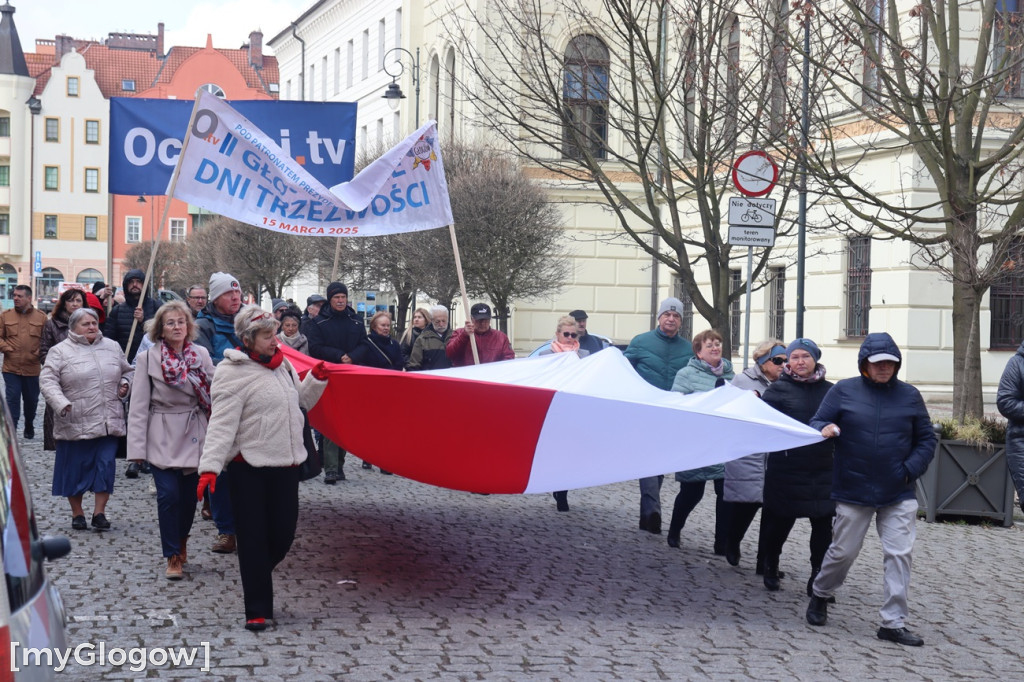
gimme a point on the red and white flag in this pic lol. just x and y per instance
(542, 424)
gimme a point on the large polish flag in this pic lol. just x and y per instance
(538, 425)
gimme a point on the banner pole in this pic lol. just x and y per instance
(462, 288)
(163, 220)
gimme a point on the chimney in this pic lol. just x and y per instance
(62, 45)
(160, 39)
(256, 49)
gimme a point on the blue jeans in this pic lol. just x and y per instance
(175, 506)
(220, 506)
(18, 387)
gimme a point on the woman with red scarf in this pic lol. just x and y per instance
(256, 433)
(567, 340)
(167, 421)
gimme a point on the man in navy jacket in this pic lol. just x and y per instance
(884, 442)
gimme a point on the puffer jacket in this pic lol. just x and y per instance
(658, 358)
(20, 334)
(119, 322)
(216, 332)
(744, 477)
(1010, 401)
(256, 413)
(166, 426)
(333, 334)
(428, 351)
(886, 439)
(798, 482)
(697, 377)
(86, 377)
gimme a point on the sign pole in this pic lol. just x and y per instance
(746, 322)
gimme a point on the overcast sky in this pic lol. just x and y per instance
(186, 22)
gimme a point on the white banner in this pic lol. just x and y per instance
(232, 168)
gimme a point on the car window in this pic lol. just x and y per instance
(23, 567)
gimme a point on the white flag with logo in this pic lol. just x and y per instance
(232, 168)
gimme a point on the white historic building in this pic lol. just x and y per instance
(853, 285)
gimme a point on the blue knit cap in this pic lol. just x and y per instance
(807, 345)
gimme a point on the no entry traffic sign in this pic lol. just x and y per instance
(755, 174)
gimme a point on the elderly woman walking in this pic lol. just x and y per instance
(170, 410)
(705, 371)
(54, 331)
(84, 380)
(256, 432)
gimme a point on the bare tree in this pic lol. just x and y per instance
(647, 107)
(938, 89)
(168, 268)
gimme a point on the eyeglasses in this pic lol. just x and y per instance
(712, 344)
(197, 298)
(570, 335)
(778, 361)
(258, 317)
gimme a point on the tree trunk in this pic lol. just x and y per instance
(967, 396)
(402, 310)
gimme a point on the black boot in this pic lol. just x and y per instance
(810, 584)
(771, 578)
(817, 611)
(732, 554)
(561, 500)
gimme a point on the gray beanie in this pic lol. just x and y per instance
(807, 345)
(221, 283)
(670, 305)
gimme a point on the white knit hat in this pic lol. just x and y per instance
(221, 283)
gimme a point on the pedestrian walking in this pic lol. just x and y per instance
(256, 433)
(54, 331)
(167, 422)
(21, 329)
(84, 380)
(884, 442)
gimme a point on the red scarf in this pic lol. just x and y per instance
(186, 367)
(269, 361)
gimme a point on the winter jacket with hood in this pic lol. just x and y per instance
(256, 414)
(85, 376)
(697, 377)
(744, 477)
(1010, 401)
(166, 426)
(798, 482)
(658, 358)
(886, 439)
(333, 334)
(216, 332)
(119, 323)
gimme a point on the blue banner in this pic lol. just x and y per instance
(146, 135)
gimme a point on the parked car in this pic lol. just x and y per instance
(166, 296)
(46, 303)
(31, 611)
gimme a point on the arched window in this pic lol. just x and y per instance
(46, 283)
(585, 97)
(88, 276)
(449, 95)
(216, 90)
(434, 84)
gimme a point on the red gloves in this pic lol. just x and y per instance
(207, 480)
(320, 371)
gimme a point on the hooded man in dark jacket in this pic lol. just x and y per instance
(884, 442)
(1010, 401)
(332, 335)
(119, 322)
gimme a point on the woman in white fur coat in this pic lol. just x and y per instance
(256, 431)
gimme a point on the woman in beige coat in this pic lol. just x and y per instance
(84, 380)
(256, 433)
(170, 410)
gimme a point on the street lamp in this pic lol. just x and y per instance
(393, 94)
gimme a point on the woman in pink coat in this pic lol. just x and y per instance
(167, 421)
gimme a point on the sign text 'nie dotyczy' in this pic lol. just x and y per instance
(751, 221)
(232, 168)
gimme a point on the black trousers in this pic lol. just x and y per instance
(690, 494)
(265, 501)
(741, 515)
(776, 529)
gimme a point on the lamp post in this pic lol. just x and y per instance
(393, 94)
(805, 124)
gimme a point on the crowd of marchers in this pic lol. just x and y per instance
(198, 395)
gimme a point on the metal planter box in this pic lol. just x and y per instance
(967, 480)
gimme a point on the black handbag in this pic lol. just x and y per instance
(314, 463)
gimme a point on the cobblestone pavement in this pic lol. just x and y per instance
(393, 580)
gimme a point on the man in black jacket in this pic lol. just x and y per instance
(588, 342)
(119, 321)
(332, 335)
(884, 442)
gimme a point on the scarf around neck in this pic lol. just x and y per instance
(717, 371)
(269, 361)
(819, 374)
(571, 346)
(186, 368)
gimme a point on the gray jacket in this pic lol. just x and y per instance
(744, 477)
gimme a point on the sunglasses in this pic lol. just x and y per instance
(778, 361)
(570, 335)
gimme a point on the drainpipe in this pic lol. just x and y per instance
(302, 74)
